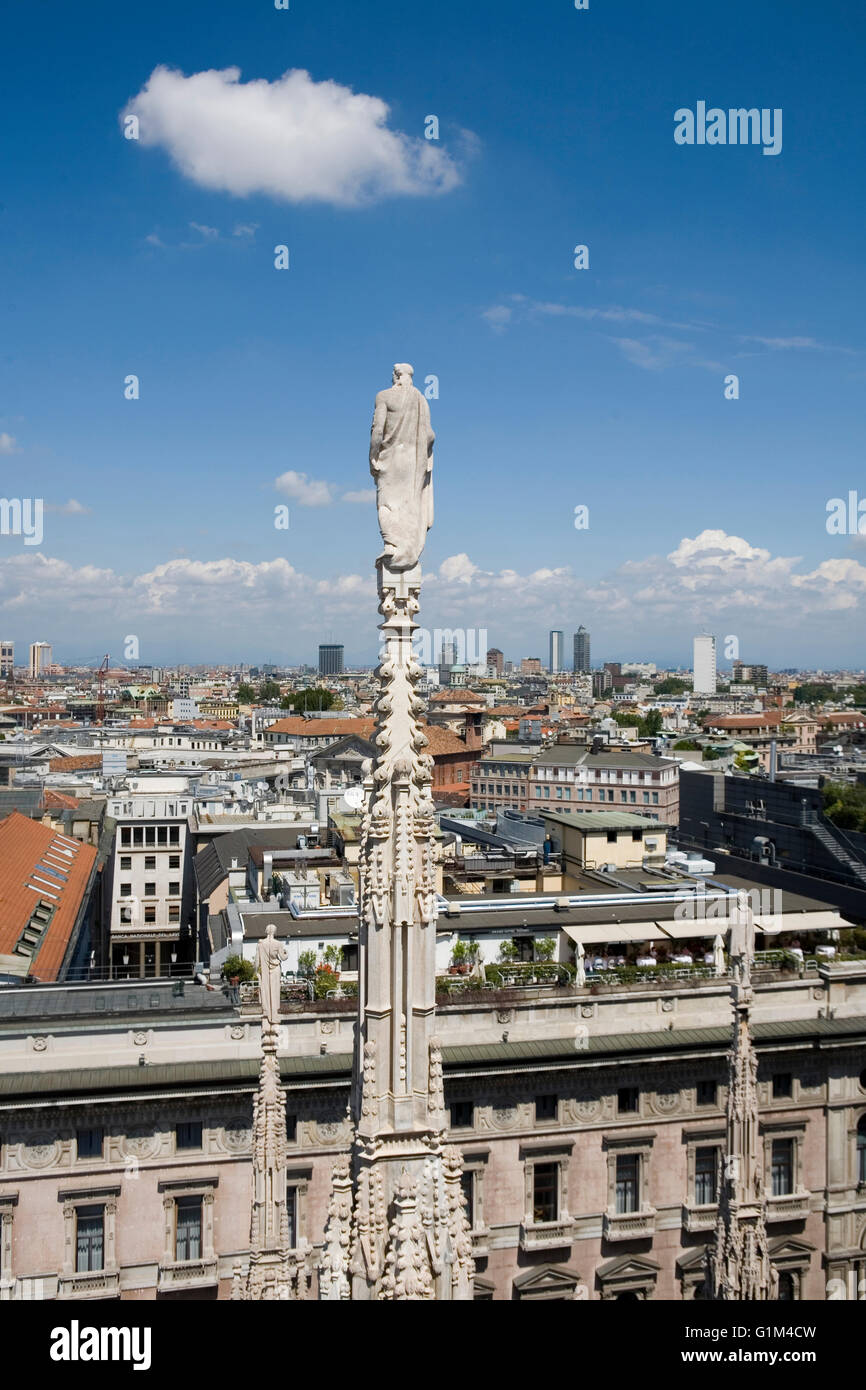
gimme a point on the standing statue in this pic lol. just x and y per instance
(401, 461)
(269, 956)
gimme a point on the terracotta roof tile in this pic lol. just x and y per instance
(38, 864)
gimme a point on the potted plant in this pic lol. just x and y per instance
(545, 948)
(459, 964)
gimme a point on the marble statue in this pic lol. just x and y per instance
(269, 957)
(401, 461)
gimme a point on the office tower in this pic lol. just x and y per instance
(7, 658)
(704, 665)
(581, 651)
(556, 641)
(496, 659)
(330, 659)
(40, 657)
(448, 655)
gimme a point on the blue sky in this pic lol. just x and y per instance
(557, 387)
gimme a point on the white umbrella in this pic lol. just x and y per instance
(719, 956)
(580, 977)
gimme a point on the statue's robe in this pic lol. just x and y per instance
(401, 461)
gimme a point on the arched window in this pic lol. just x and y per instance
(861, 1150)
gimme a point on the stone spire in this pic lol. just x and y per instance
(275, 1271)
(409, 1231)
(738, 1262)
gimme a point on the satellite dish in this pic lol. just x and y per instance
(354, 798)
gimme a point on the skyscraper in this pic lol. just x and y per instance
(40, 657)
(704, 665)
(330, 659)
(581, 651)
(7, 658)
(556, 643)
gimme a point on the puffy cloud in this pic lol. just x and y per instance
(657, 602)
(293, 139)
(307, 492)
(8, 444)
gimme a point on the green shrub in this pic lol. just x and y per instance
(236, 965)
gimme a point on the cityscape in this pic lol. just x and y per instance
(410, 902)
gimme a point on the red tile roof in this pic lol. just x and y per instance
(38, 864)
(324, 728)
(78, 762)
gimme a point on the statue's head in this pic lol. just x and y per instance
(271, 929)
(403, 374)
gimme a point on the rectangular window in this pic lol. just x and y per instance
(173, 834)
(126, 890)
(627, 1100)
(174, 912)
(174, 861)
(188, 1232)
(706, 1092)
(174, 888)
(462, 1114)
(125, 835)
(655, 798)
(706, 1176)
(291, 1128)
(162, 835)
(188, 1134)
(292, 1214)
(126, 863)
(89, 1143)
(150, 890)
(545, 1192)
(546, 1107)
(150, 914)
(627, 1183)
(467, 1182)
(89, 1239)
(637, 836)
(350, 958)
(137, 836)
(150, 862)
(783, 1167)
(149, 835)
(781, 1085)
(611, 837)
(645, 798)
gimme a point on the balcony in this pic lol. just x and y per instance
(699, 1218)
(480, 1242)
(792, 1207)
(188, 1274)
(630, 1225)
(546, 1235)
(102, 1283)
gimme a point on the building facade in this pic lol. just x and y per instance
(704, 662)
(330, 659)
(40, 658)
(581, 652)
(554, 664)
(590, 1121)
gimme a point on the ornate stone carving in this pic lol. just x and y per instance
(40, 1152)
(404, 1230)
(738, 1259)
(40, 1044)
(141, 1143)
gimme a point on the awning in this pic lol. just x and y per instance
(683, 930)
(802, 921)
(600, 933)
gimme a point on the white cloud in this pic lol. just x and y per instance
(368, 494)
(293, 139)
(245, 229)
(307, 492)
(70, 508)
(207, 233)
(654, 604)
(8, 444)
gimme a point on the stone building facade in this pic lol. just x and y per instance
(590, 1121)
